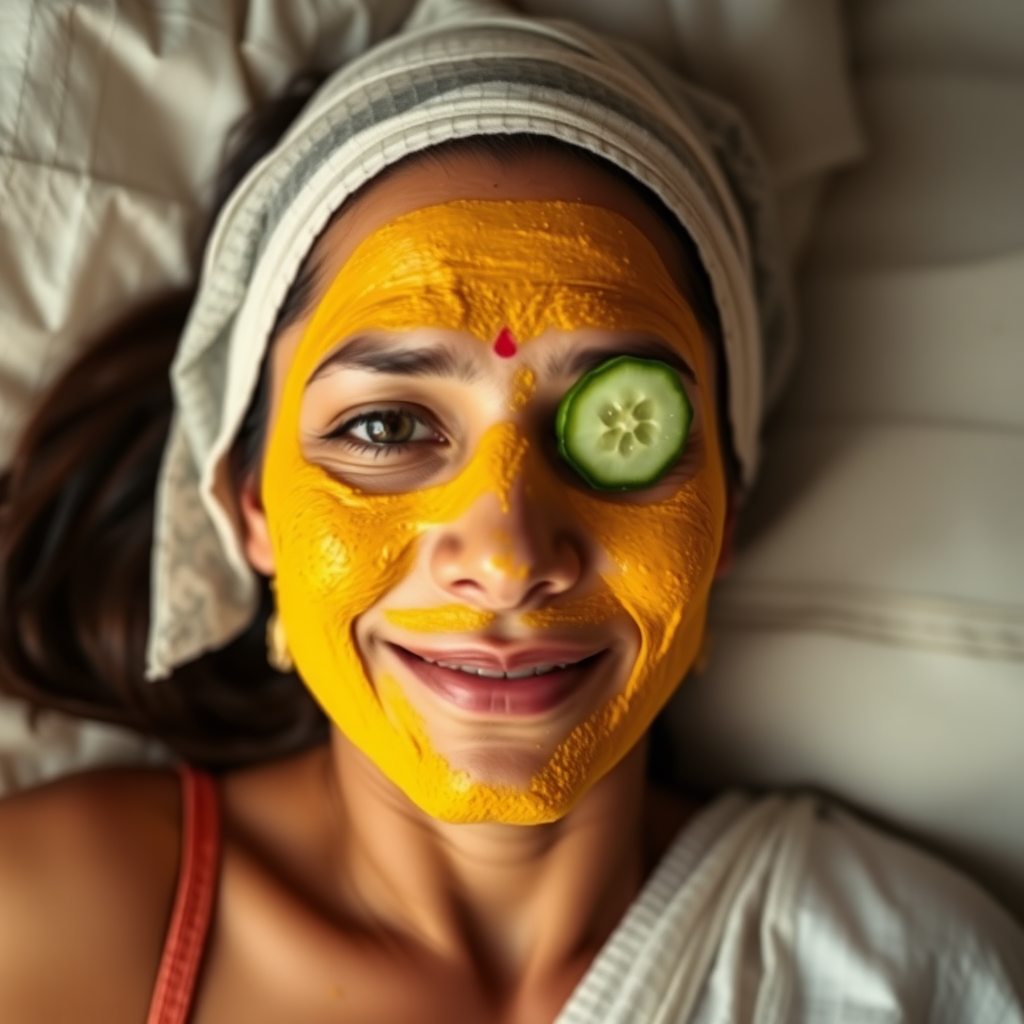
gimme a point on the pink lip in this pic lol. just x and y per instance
(532, 695)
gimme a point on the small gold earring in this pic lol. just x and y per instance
(279, 657)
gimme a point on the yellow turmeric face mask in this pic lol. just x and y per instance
(509, 271)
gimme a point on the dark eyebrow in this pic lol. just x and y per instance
(383, 355)
(576, 363)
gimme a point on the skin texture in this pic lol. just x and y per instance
(476, 270)
(340, 899)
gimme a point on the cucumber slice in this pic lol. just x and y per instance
(623, 425)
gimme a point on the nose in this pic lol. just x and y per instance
(508, 559)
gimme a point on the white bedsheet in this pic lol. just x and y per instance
(871, 639)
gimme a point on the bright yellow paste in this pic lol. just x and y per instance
(524, 383)
(478, 266)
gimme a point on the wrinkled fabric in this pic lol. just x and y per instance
(113, 119)
(787, 910)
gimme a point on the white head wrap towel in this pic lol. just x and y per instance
(456, 70)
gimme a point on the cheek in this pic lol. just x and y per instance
(340, 554)
(315, 548)
(664, 557)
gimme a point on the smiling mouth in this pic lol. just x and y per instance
(531, 690)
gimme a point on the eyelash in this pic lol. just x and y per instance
(338, 434)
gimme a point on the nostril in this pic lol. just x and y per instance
(541, 591)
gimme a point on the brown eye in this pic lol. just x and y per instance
(382, 429)
(391, 427)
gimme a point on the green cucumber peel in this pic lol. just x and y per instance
(624, 424)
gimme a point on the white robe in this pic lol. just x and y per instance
(791, 911)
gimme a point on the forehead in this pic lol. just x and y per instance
(470, 176)
(482, 266)
(429, 182)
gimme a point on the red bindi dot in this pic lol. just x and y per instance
(505, 346)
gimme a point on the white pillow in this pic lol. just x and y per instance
(871, 639)
(112, 125)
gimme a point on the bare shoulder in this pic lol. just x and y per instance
(87, 874)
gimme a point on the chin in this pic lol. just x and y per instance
(502, 789)
(508, 768)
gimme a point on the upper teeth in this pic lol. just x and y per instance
(490, 673)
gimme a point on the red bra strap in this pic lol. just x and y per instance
(193, 902)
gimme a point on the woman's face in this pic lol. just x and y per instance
(489, 630)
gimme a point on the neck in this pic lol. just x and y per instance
(522, 903)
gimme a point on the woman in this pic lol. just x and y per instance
(460, 400)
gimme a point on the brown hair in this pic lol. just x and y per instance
(76, 529)
(77, 507)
